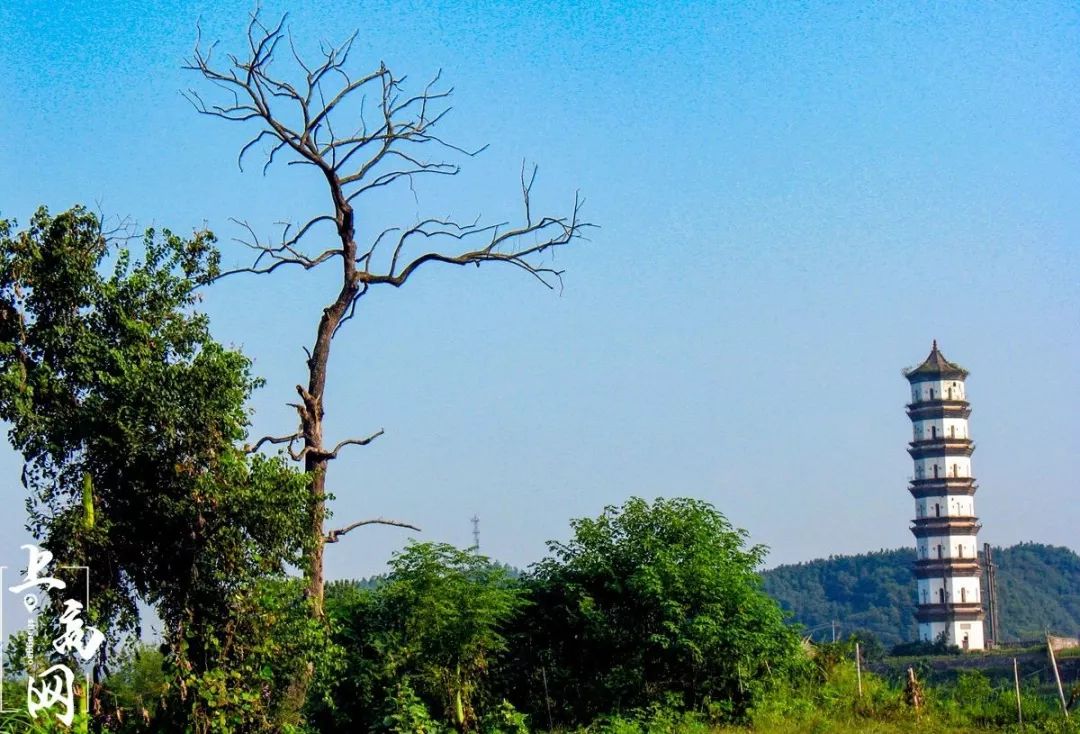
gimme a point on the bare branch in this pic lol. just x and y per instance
(526, 190)
(290, 439)
(334, 535)
(352, 442)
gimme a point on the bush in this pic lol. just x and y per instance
(646, 602)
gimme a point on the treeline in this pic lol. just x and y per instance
(652, 606)
(649, 605)
(651, 618)
(1038, 589)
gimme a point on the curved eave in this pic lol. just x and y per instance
(932, 568)
(935, 447)
(949, 612)
(953, 372)
(933, 527)
(942, 487)
(930, 409)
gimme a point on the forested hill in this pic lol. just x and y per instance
(1038, 588)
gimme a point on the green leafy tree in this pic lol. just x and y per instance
(645, 602)
(131, 421)
(428, 638)
(449, 605)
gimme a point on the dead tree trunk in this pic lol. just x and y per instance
(302, 112)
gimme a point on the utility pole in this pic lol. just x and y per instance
(991, 594)
(1016, 681)
(1057, 675)
(475, 532)
(858, 667)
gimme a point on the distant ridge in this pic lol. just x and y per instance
(1038, 588)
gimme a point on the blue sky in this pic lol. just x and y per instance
(794, 199)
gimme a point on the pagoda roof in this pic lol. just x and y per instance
(935, 366)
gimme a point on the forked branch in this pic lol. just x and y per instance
(290, 439)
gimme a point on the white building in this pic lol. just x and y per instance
(945, 527)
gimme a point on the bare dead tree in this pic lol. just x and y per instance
(361, 133)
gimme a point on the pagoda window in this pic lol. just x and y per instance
(956, 470)
(952, 431)
(960, 551)
(933, 431)
(939, 550)
(935, 471)
(937, 510)
(950, 392)
(931, 393)
(963, 595)
(941, 594)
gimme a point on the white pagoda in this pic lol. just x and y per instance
(945, 526)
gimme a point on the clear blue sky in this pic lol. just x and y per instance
(794, 200)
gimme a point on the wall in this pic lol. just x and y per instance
(956, 546)
(947, 466)
(947, 506)
(921, 430)
(921, 391)
(958, 590)
(929, 631)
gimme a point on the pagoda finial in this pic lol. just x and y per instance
(934, 348)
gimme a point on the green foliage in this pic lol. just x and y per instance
(828, 700)
(875, 592)
(921, 648)
(1038, 589)
(406, 713)
(270, 637)
(870, 646)
(646, 602)
(504, 719)
(135, 686)
(657, 718)
(427, 638)
(21, 722)
(130, 419)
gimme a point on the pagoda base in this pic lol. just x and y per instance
(965, 634)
